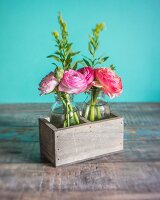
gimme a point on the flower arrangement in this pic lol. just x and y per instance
(66, 79)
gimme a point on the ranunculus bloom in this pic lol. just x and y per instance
(111, 83)
(48, 83)
(88, 73)
(73, 82)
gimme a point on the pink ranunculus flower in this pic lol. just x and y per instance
(48, 83)
(111, 83)
(88, 73)
(73, 82)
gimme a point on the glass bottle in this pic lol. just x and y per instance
(95, 107)
(64, 112)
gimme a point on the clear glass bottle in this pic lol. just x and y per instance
(64, 112)
(95, 107)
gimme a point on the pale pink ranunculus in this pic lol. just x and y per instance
(73, 82)
(48, 83)
(88, 73)
(111, 83)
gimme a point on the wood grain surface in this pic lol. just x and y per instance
(131, 174)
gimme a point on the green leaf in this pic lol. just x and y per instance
(102, 60)
(105, 58)
(68, 46)
(96, 46)
(87, 58)
(84, 64)
(74, 53)
(67, 66)
(113, 67)
(90, 48)
(92, 41)
(55, 64)
(75, 64)
(87, 62)
(49, 56)
(57, 53)
(68, 61)
(68, 58)
(54, 57)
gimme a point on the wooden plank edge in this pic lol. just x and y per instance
(86, 122)
(89, 159)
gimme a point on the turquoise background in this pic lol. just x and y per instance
(131, 39)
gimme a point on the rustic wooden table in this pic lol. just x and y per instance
(131, 174)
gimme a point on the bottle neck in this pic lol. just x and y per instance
(96, 97)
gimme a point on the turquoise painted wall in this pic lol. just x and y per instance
(131, 39)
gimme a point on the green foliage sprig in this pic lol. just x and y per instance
(93, 45)
(64, 54)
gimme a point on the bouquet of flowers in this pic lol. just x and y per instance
(102, 79)
(66, 79)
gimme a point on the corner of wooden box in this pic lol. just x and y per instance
(47, 140)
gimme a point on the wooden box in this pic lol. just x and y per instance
(81, 142)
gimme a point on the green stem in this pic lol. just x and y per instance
(66, 101)
(68, 116)
(87, 112)
(64, 124)
(99, 116)
(94, 95)
(92, 107)
(66, 121)
(75, 116)
(92, 115)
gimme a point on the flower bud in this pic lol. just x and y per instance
(55, 34)
(59, 73)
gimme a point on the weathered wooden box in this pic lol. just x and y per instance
(81, 142)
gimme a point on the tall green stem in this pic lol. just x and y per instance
(69, 109)
(75, 116)
(94, 95)
(92, 107)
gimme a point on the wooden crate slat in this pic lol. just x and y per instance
(81, 142)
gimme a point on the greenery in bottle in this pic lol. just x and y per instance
(66, 79)
(104, 79)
